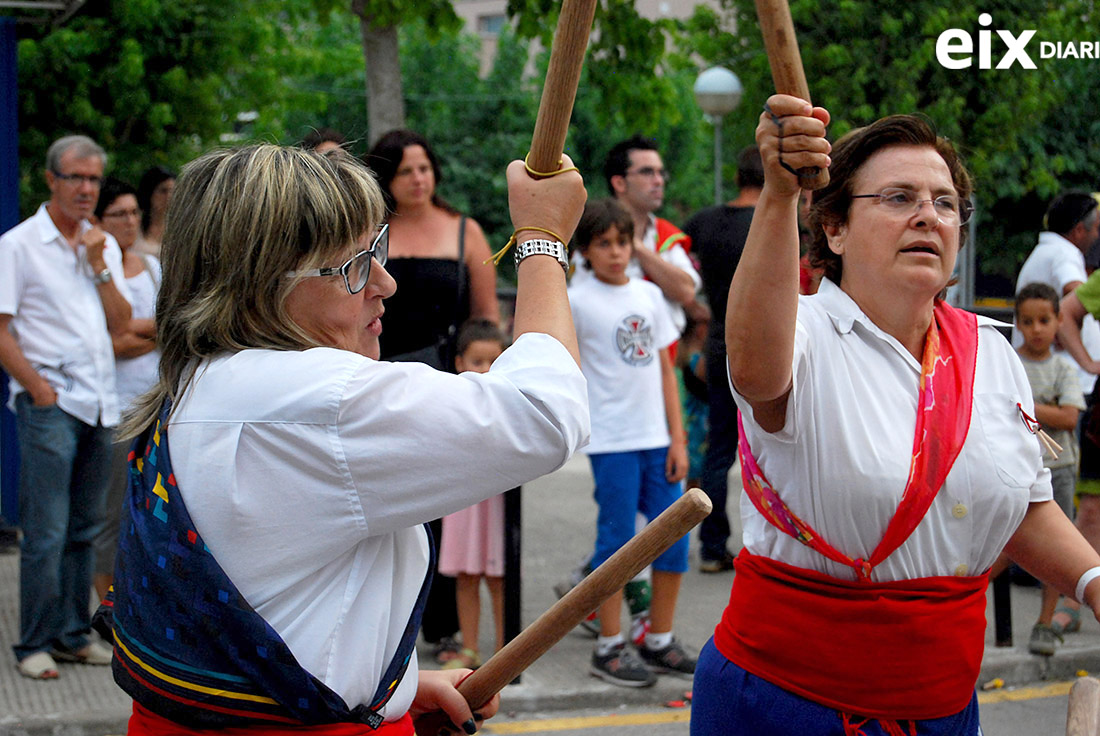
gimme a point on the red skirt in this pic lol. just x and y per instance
(905, 650)
(144, 722)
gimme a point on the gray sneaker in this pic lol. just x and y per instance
(1042, 640)
(621, 667)
(671, 660)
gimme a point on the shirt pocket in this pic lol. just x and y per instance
(1012, 449)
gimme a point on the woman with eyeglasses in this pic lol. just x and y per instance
(272, 570)
(887, 450)
(136, 356)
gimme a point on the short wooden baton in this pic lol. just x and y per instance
(786, 64)
(503, 667)
(560, 89)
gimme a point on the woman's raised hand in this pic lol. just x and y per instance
(791, 132)
(553, 203)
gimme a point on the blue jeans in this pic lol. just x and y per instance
(63, 471)
(628, 483)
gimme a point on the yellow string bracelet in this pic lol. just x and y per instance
(497, 257)
(545, 174)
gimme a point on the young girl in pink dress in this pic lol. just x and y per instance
(472, 545)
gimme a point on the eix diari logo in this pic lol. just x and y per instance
(955, 48)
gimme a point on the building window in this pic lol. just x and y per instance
(491, 24)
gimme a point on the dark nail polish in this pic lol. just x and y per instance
(469, 727)
(479, 717)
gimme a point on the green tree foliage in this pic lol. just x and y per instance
(1026, 134)
(158, 82)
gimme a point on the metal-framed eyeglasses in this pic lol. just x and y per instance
(77, 179)
(949, 209)
(356, 271)
(650, 172)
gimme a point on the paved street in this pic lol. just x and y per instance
(558, 531)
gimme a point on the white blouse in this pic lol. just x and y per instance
(842, 458)
(308, 473)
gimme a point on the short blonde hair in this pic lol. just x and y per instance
(238, 221)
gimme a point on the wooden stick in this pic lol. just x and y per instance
(560, 89)
(1083, 716)
(1058, 450)
(786, 64)
(503, 667)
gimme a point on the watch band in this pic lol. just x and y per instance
(103, 276)
(543, 248)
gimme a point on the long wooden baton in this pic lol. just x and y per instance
(503, 667)
(560, 89)
(786, 64)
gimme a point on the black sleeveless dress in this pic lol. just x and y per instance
(421, 313)
(423, 309)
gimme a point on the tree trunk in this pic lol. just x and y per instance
(385, 101)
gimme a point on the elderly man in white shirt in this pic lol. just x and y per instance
(61, 299)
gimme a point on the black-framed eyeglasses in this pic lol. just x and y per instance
(96, 181)
(649, 172)
(356, 271)
(949, 209)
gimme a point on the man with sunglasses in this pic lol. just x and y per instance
(62, 297)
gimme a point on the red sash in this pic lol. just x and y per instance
(904, 650)
(944, 402)
(145, 722)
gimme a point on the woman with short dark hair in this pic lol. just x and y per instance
(887, 451)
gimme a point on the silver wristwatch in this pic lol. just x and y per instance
(544, 248)
(103, 276)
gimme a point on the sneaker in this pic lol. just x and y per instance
(621, 667)
(1042, 640)
(721, 564)
(671, 660)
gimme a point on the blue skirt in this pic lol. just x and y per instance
(728, 701)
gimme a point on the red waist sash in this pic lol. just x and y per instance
(904, 650)
(145, 722)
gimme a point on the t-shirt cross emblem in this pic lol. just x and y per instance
(634, 339)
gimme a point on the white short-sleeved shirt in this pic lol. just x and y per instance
(308, 473)
(675, 256)
(620, 331)
(1056, 262)
(842, 458)
(57, 316)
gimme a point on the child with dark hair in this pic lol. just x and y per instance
(472, 544)
(1058, 404)
(638, 449)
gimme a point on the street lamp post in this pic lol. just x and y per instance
(717, 92)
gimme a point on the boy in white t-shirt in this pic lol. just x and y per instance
(638, 449)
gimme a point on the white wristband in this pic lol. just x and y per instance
(1087, 577)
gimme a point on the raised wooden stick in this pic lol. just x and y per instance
(786, 64)
(560, 89)
(503, 667)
